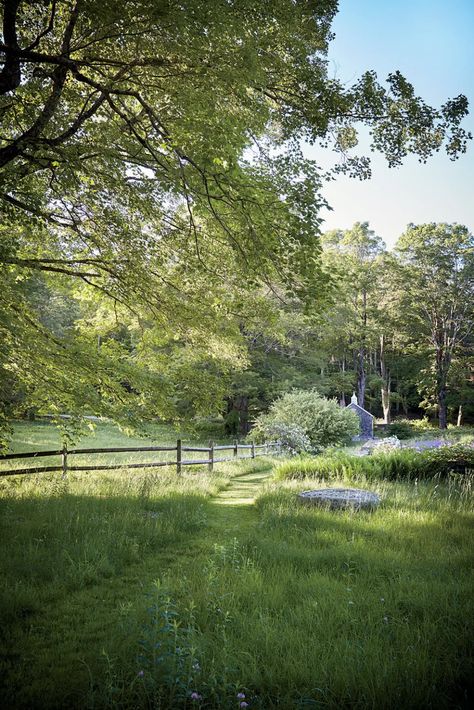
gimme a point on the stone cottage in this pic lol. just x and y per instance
(366, 419)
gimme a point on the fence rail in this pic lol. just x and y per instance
(254, 449)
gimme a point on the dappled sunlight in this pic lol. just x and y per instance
(234, 501)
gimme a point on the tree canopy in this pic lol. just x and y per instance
(149, 153)
(437, 297)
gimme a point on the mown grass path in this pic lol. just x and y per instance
(243, 489)
(232, 512)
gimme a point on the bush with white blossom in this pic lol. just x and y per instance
(308, 421)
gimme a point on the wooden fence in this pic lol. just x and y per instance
(65, 454)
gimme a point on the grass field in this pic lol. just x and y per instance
(142, 590)
(43, 436)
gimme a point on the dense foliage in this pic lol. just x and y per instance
(153, 183)
(307, 420)
(397, 329)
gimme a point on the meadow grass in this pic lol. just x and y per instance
(400, 464)
(138, 590)
(42, 435)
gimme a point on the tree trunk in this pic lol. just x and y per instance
(443, 360)
(361, 376)
(443, 409)
(386, 404)
(342, 401)
(244, 415)
(361, 379)
(459, 421)
(240, 404)
(385, 375)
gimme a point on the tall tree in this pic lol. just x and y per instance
(354, 256)
(149, 150)
(436, 288)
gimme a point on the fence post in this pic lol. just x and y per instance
(253, 449)
(236, 448)
(64, 460)
(178, 457)
(210, 465)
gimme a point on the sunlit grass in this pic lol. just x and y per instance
(135, 590)
(44, 436)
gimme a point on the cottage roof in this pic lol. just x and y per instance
(355, 406)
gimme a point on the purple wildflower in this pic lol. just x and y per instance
(244, 705)
(195, 696)
(240, 696)
(140, 674)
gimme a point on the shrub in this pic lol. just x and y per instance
(424, 424)
(406, 464)
(292, 437)
(449, 458)
(209, 428)
(402, 430)
(321, 420)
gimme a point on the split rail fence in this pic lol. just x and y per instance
(254, 450)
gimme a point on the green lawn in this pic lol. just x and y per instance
(43, 436)
(135, 590)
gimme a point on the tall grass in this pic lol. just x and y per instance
(136, 591)
(403, 464)
(65, 535)
(316, 609)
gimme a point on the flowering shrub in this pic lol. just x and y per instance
(292, 437)
(308, 417)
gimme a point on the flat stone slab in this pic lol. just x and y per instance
(340, 498)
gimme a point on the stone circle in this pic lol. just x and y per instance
(341, 498)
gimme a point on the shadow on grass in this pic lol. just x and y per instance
(365, 607)
(70, 567)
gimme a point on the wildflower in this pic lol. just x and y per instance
(140, 674)
(351, 603)
(240, 696)
(244, 705)
(195, 696)
(196, 666)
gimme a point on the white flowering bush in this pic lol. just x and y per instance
(291, 437)
(305, 412)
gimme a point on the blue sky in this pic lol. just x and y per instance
(431, 43)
